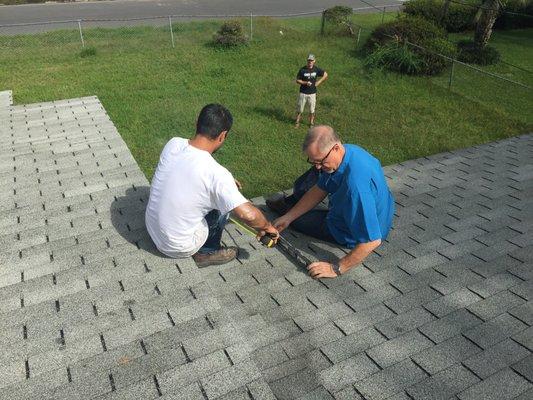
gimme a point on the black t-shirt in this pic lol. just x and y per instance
(306, 74)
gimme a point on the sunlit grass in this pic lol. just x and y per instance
(153, 92)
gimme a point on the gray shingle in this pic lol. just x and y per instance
(525, 338)
(524, 312)
(399, 348)
(352, 344)
(494, 284)
(229, 379)
(495, 358)
(450, 325)
(443, 385)
(346, 372)
(503, 385)
(363, 319)
(392, 380)
(318, 394)
(524, 367)
(405, 322)
(495, 330)
(451, 302)
(412, 299)
(495, 305)
(260, 390)
(347, 393)
(295, 385)
(445, 354)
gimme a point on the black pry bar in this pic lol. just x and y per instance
(292, 251)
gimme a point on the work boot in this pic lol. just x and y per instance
(218, 257)
(278, 204)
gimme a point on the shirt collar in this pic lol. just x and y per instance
(337, 174)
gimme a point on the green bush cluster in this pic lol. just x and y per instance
(409, 45)
(472, 54)
(461, 17)
(412, 29)
(458, 19)
(230, 34)
(338, 17)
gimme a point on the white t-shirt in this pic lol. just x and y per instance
(187, 184)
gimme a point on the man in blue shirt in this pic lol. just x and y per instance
(361, 206)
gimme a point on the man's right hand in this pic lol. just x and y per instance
(282, 223)
(271, 231)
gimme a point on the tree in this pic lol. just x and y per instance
(444, 12)
(486, 17)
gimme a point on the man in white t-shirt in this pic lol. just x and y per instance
(192, 195)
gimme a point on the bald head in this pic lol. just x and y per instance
(321, 136)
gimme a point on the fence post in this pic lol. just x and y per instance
(383, 14)
(358, 37)
(81, 34)
(171, 32)
(251, 26)
(451, 75)
(323, 22)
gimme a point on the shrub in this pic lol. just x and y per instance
(459, 17)
(409, 45)
(339, 17)
(87, 52)
(230, 34)
(521, 17)
(433, 63)
(395, 57)
(413, 29)
(470, 53)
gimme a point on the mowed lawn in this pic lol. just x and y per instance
(153, 92)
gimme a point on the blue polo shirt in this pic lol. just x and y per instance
(361, 206)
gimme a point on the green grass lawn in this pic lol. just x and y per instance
(153, 92)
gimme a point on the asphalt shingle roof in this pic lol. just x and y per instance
(89, 309)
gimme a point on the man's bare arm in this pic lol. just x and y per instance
(322, 79)
(253, 217)
(357, 255)
(309, 200)
(322, 269)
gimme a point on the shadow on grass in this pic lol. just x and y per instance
(273, 112)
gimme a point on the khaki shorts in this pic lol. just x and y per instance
(306, 98)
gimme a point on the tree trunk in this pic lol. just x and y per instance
(444, 12)
(489, 13)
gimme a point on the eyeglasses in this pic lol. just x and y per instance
(321, 162)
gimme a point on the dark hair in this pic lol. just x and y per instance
(213, 119)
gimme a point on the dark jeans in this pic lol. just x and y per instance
(312, 223)
(216, 223)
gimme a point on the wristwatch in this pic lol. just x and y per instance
(336, 268)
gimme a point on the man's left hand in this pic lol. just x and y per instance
(321, 269)
(239, 185)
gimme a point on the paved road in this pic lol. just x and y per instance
(127, 9)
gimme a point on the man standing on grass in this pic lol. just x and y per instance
(307, 79)
(192, 195)
(361, 206)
